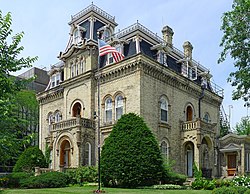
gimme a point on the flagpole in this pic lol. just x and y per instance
(98, 123)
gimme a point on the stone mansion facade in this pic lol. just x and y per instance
(165, 86)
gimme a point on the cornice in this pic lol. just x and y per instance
(50, 95)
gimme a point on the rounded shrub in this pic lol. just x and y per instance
(46, 180)
(83, 174)
(13, 180)
(32, 157)
(131, 156)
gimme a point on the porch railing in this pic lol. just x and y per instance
(71, 123)
(197, 124)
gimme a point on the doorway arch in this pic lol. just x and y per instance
(65, 154)
(189, 158)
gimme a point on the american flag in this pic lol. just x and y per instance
(104, 49)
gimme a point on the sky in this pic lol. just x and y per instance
(45, 24)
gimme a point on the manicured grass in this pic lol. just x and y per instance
(90, 189)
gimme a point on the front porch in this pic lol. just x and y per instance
(198, 147)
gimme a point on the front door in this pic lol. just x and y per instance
(190, 163)
(231, 164)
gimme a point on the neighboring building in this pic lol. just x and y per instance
(41, 80)
(171, 91)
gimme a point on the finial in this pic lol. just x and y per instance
(137, 21)
(92, 3)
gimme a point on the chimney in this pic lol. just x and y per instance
(167, 34)
(187, 46)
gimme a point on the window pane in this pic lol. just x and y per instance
(108, 115)
(164, 115)
(119, 112)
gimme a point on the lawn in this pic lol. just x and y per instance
(90, 189)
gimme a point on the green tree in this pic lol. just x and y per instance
(236, 42)
(243, 127)
(32, 157)
(10, 62)
(131, 156)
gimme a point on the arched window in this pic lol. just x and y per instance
(51, 119)
(206, 118)
(88, 154)
(164, 109)
(77, 110)
(164, 149)
(108, 110)
(58, 116)
(72, 70)
(189, 113)
(76, 36)
(118, 107)
(82, 66)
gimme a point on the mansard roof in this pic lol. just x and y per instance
(93, 9)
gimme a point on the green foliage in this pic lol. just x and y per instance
(32, 157)
(197, 172)
(10, 142)
(46, 180)
(243, 128)
(225, 190)
(171, 177)
(224, 183)
(13, 180)
(236, 42)
(47, 154)
(247, 191)
(131, 156)
(242, 181)
(166, 187)
(81, 175)
(231, 190)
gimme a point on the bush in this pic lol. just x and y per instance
(131, 156)
(46, 180)
(174, 178)
(81, 175)
(247, 191)
(242, 181)
(171, 177)
(13, 180)
(231, 190)
(32, 157)
(201, 183)
(224, 183)
(225, 190)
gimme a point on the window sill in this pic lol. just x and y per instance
(164, 125)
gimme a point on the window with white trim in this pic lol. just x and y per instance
(88, 154)
(164, 149)
(82, 66)
(118, 107)
(108, 110)
(164, 109)
(162, 58)
(58, 116)
(76, 36)
(51, 119)
(55, 79)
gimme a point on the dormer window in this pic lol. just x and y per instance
(162, 58)
(55, 79)
(110, 58)
(76, 36)
(189, 70)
